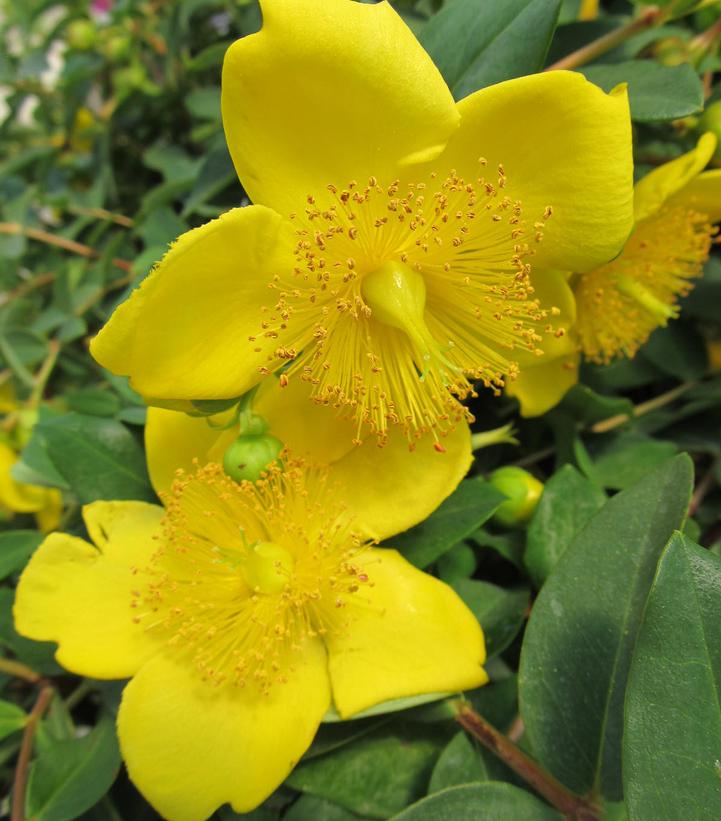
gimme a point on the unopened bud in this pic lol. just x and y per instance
(250, 455)
(523, 491)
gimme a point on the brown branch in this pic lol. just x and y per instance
(586, 54)
(574, 807)
(703, 487)
(59, 242)
(26, 749)
(101, 214)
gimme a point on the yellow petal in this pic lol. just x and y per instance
(184, 333)
(190, 747)
(49, 516)
(17, 496)
(80, 595)
(703, 193)
(407, 634)
(390, 489)
(562, 143)
(312, 431)
(342, 93)
(668, 179)
(173, 439)
(540, 387)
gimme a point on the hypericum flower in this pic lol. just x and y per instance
(19, 497)
(242, 613)
(675, 207)
(386, 259)
(389, 489)
(618, 305)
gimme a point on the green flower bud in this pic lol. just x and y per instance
(523, 491)
(250, 455)
(81, 35)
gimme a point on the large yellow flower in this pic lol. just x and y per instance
(619, 304)
(20, 497)
(243, 611)
(387, 256)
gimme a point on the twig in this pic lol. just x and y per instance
(19, 670)
(586, 54)
(703, 487)
(573, 806)
(42, 376)
(101, 214)
(657, 402)
(59, 242)
(26, 748)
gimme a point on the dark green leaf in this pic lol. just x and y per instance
(580, 635)
(39, 656)
(459, 763)
(567, 503)
(627, 458)
(472, 503)
(672, 740)
(677, 350)
(312, 808)
(68, 777)
(655, 91)
(15, 548)
(379, 774)
(475, 44)
(99, 458)
(12, 718)
(491, 801)
(499, 610)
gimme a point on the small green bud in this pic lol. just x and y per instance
(523, 491)
(118, 47)
(81, 35)
(250, 455)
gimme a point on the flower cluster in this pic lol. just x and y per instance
(403, 251)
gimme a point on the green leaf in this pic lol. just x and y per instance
(12, 719)
(459, 763)
(15, 549)
(672, 739)
(568, 502)
(499, 610)
(492, 801)
(39, 656)
(678, 350)
(580, 635)
(655, 91)
(99, 458)
(379, 774)
(627, 458)
(587, 407)
(312, 808)
(475, 44)
(68, 777)
(204, 103)
(464, 511)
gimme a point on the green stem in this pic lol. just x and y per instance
(650, 16)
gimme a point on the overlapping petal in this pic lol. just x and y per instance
(407, 634)
(562, 143)
(703, 194)
(328, 93)
(671, 178)
(541, 387)
(184, 333)
(191, 747)
(79, 595)
(18, 496)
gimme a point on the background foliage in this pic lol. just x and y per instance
(602, 617)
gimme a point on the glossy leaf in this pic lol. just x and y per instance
(491, 801)
(464, 511)
(12, 718)
(499, 610)
(568, 502)
(580, 635)
(15, 549)
(475, 44)
(672, 739)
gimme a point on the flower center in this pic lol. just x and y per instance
(246, 573)
(405, 294)
(267, 567)
(621, 303)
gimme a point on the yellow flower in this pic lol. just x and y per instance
(241, 612)
(387, 255)
(621, 303)
(618, 305)
(416, 484)
(19, 497)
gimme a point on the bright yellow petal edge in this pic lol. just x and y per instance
(216, 713)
